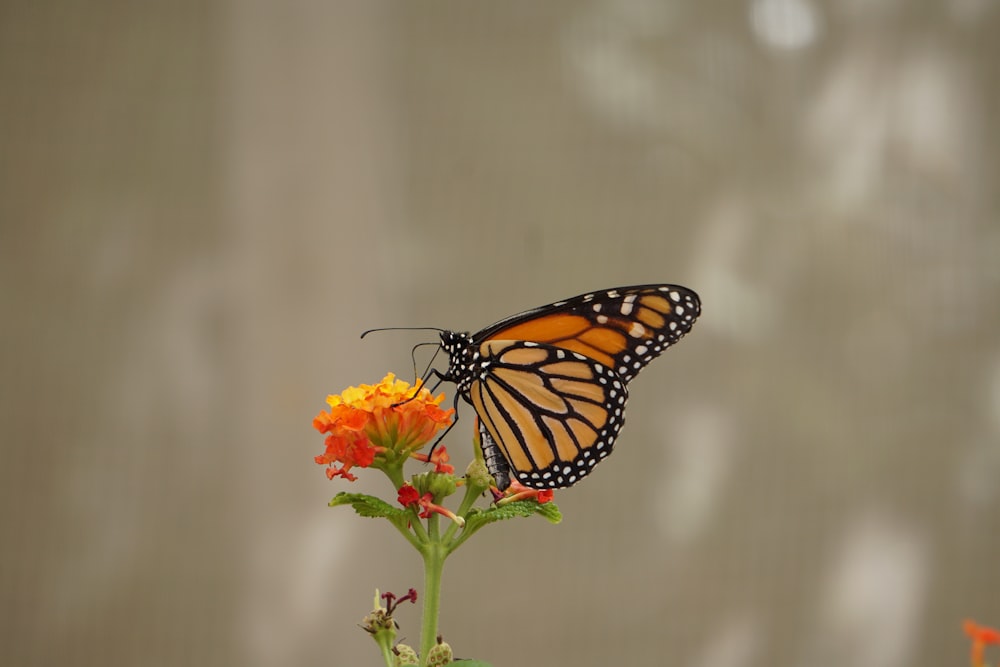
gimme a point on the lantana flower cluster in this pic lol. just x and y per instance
(378, 425)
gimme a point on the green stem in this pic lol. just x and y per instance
(434, 527)
(387, 655)
(465, 534)
(404, 530)
(395, 474)
(434, 554)
(418, 529)
(471, 494)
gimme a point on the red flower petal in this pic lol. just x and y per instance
(408, 495)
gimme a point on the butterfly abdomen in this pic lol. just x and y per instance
(494, 459)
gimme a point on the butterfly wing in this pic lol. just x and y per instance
(552, 412)
(623, 328)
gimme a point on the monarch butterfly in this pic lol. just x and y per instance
(549, 385)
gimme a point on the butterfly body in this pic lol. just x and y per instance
(494, 458)
(550, 384)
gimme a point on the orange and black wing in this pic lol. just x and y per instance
(554, 413)
(623, 328)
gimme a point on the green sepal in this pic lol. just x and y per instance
(439, 485)
(405, 655)
(440, 655)
(369, 506)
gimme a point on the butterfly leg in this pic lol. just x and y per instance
(421, 384)
(450, 426)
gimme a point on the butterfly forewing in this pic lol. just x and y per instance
(624, 328)
(552, 412)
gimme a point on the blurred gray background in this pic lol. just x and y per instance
(202, 204)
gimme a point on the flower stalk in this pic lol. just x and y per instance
(434, 555)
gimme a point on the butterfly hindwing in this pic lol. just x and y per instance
(624, 328)
(553, 413)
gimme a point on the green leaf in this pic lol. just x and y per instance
(549, 511)
(368, 506)
(521, 508)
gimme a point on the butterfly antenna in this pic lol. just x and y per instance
(365, 333)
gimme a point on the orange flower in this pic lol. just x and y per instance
(981, 636)
(517, 491)
(349, 451)
(371, 420)
(439, 457)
